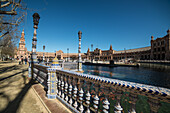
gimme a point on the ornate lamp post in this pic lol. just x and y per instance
(36, 18)
(43, 54)
(79, 52)
(67, 54)
(92, 53)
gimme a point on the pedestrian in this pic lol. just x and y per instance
(19, 61)
(22, 60)
(25, 60)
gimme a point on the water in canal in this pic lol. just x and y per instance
(151, 76)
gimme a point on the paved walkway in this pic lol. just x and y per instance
(18, 94)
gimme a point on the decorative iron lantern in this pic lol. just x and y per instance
(36, 18)
(43, 47)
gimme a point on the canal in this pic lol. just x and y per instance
(145, 75)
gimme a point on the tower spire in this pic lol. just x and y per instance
(22, 35)
(88, 50)
(111, 47)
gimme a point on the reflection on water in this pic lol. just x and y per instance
(106, 73)
(140, 75)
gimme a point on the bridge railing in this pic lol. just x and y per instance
(40, 73)
(89, 93)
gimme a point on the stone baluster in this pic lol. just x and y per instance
(70, 94)
(88, 101)
(133, 98)
(96, 102)
(96, 98)
(81, 99)
(75, 96)
(78, 84)
(154, 105)
(106, 106)
(59, 85)
(62, 87)
(88, 96)
(70, 90)
(118, 108)
(66, 87)
(106, 102)
(75, 93)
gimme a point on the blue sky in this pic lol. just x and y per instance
(123, 23)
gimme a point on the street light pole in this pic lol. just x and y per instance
(92, 53)
(36, 18)
(43, 54)
(79, 52)
(67, 54)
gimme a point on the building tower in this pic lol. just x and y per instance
(22, 49)
(111, 47)
(152, 48)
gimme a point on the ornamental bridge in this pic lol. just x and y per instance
(94, 94)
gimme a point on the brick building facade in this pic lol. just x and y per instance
(22, 53)
(159, 50)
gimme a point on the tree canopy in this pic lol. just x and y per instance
(12, 14)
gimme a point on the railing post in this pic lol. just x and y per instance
(51, 82)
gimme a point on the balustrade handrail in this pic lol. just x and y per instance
(76, 89)
(149, 90)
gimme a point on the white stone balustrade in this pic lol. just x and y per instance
(68, 84)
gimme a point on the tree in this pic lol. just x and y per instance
(12, 13)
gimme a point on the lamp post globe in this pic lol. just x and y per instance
(36, 18)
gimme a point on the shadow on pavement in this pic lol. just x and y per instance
(8, 82)
(9, 68)
(13, 106)
(1, 79)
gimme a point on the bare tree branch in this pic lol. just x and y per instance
(6, 4)
(16, 5)
(4, 0)
(8, 12)
(4, 34)
(16, 23)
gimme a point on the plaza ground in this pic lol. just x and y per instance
(19, 94)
